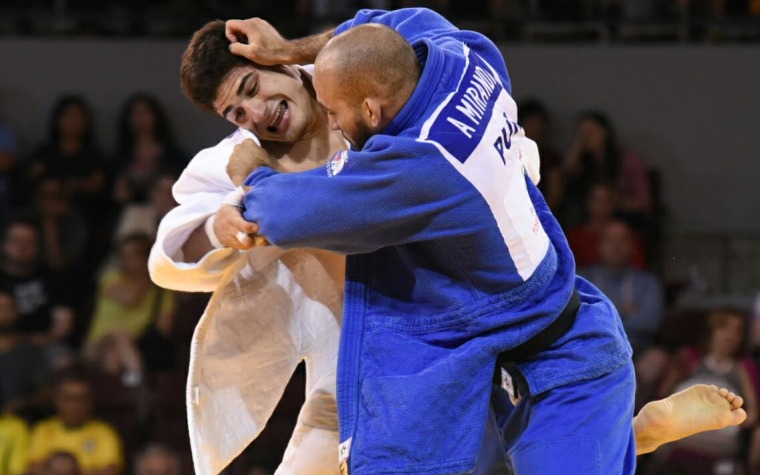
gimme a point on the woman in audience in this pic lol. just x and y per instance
(722, 362)
(595, 157)
(71, 154)
(145, 148)
(131, 327)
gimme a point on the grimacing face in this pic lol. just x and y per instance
(273, 103)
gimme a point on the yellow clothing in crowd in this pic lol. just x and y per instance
(111, 315)
(95, 444)
(14, 445)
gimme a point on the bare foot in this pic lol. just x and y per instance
(698, 408)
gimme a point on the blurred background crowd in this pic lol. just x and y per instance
(677, 20)
(93, 356)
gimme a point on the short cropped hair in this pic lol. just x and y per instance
(206, 62)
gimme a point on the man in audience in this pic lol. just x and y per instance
(44, 312)
(638, 295)
(94, 444)
(23, 368)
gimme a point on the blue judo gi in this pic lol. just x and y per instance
(453, 258)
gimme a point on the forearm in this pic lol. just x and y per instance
(258, 41)
(305, 50)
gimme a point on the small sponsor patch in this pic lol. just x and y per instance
(343, 450)
(508, 385)
(336, 164)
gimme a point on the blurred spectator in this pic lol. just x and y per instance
(14, 445)
(144, 217)
(595, 157)
(43, 298)
(71, 154)
(535, 121)
(722, 363)
(23, 368)
(131, 310)
(638, 295)
(94, 444)
(64, 229)
(8, 164)
(62, 463)
(145, 148)
(584, 239)
(155, 459)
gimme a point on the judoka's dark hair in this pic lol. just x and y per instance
(206, 62)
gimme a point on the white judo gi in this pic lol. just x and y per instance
(270, 309)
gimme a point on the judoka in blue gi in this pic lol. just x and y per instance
(457, 274)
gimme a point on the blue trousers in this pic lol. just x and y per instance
(581, 428)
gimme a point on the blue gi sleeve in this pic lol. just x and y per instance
(364, 208)
(416, 24)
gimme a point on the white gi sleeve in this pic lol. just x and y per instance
(199, 191)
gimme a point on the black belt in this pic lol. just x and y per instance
(539, 342)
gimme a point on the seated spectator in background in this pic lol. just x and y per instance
(145, 147)
(71, 154)
(584, 239)
(156, 459)
(596, 157)
(721, 362)
(43, 298)
(64, 230)
(535, 121)
(8, 165)
(638, 295)
(94, 444)
(144, 217)
(14, 445)
(131, 312)
(23, 368)
(62, 463)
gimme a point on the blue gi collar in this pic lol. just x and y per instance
(432, 60)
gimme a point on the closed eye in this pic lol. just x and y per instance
(254, 90)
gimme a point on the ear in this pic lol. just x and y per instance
(372, 110)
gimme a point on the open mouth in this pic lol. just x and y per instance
(282, 108)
